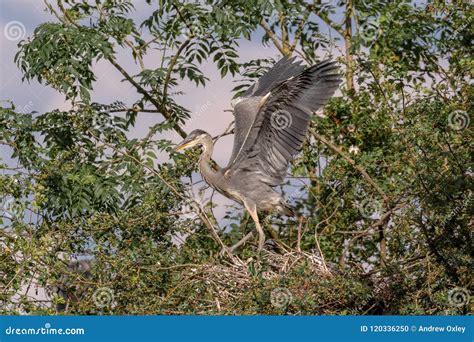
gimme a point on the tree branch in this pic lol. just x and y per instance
(348, 46)
(285, 40)
(272, 36)
(324, 17)
(161, 108)
(138, 110)
(173, 62)
(299, 31)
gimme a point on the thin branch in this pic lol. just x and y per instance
(299, 31)
(150, 98)
(298, 239)
(137, 53)
(348, 46)
(144, 46)
(229, 130)
(369, 179)
(379, 223)
(324, 17)
(320, 252)
(285, 40)
(272, 36)
(172, 65)
(377, 82)
(103, 17)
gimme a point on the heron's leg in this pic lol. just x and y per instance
(252, 209)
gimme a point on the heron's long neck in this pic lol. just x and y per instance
(204, 161)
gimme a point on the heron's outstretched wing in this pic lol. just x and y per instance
(281, 71)
(247, 106)
(280, 126)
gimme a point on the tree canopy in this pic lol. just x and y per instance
(382, 188)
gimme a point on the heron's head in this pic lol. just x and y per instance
(196, 137)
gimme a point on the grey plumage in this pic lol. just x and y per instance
(271, 123)
(281, 71)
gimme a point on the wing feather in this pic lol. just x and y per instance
(247, 107)
(281, 71)
(280, 126)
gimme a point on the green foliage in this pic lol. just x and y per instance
(62, 56)
(384, 182)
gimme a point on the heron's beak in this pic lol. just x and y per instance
(183, 145)
(179, 148)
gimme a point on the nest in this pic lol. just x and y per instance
(283, 263)
(230, 278)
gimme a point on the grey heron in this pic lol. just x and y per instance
(271, 122)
